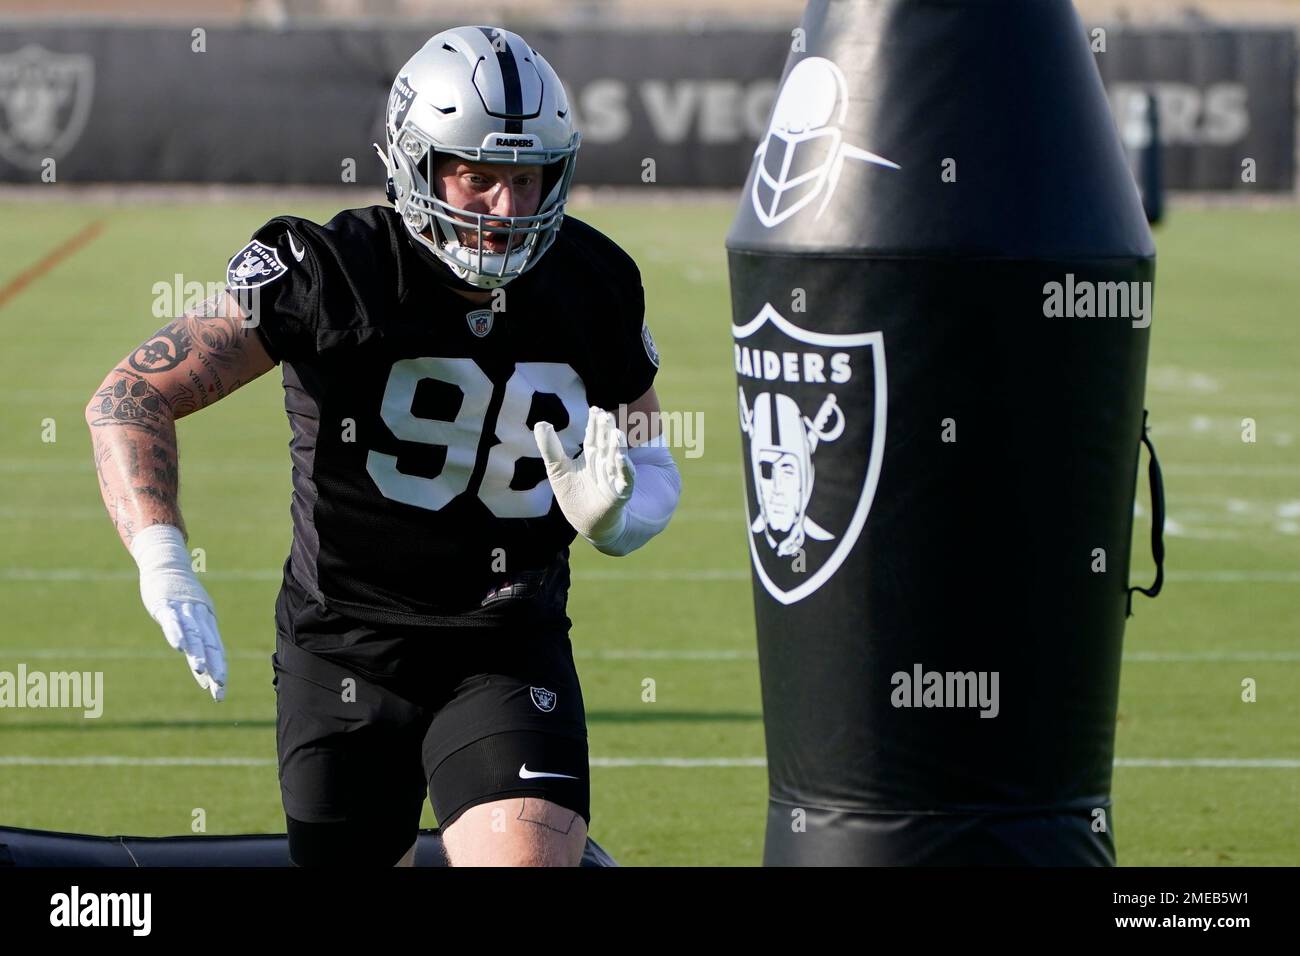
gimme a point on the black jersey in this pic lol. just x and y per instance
(419, 495)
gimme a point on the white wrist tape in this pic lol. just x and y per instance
(165, 572)
(655, 492)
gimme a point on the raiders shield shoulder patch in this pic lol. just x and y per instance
(649, 342)
(254, 265)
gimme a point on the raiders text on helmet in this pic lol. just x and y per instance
(484, 95)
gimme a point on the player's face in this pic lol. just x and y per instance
(489, 188)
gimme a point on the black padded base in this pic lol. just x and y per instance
(1006, 838)
(45, 848)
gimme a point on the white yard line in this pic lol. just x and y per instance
(62, 575)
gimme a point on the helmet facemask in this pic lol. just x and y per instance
(437, 225)
(483, 95)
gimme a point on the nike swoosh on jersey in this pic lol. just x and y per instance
(526, 774)
(297, 253)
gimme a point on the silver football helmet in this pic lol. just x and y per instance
(482, 94)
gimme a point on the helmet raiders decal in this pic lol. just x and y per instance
(399, 102)
(794, 425)
(803, 153)
(254, 265)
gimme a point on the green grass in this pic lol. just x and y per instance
(1225, 347)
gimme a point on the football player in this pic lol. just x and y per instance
(451, 365)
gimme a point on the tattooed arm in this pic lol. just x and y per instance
(200, 358)
(188, 364)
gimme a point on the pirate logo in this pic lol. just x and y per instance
(812, 416)
(44, 103)
(543, 699)
(781, 447)
(803, 153)
(254, 265)
(479, 321)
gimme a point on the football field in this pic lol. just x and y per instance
(664, 638)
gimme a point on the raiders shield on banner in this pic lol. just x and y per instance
(44, 103)
(810, 485)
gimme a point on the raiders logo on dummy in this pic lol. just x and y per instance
(948, 533)
(794, 424)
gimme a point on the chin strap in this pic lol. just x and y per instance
(389, 189)
(445, 274)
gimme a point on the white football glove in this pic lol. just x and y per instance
(175, 599)
(592, 489)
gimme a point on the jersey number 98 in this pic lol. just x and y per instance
(461, 436)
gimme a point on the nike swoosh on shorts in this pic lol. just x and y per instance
(526, 774)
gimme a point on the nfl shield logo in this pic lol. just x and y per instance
(44, 103)
(812, 417)
(543, 699)
(480, 322)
